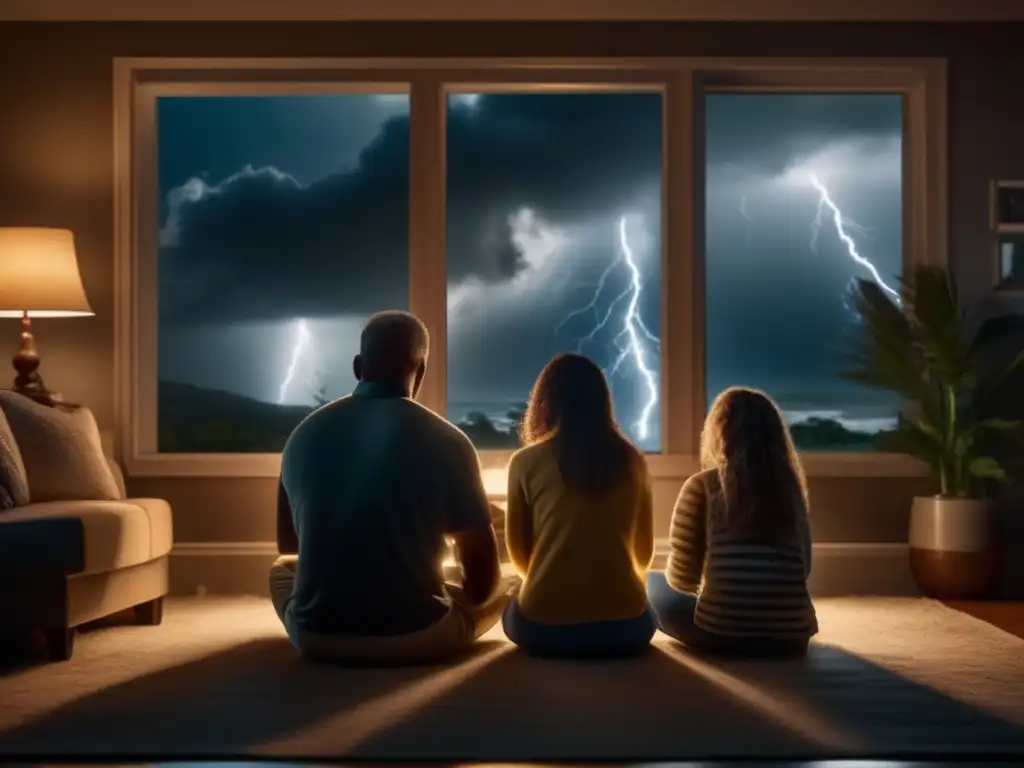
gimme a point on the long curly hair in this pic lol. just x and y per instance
(571, 405)
(746, 439)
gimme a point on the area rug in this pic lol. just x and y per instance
(219, 680)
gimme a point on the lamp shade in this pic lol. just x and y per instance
(39, 274)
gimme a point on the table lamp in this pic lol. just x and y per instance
(38, 278)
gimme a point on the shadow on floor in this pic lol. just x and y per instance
(526, 709)
(672, 705)
(499, 705)
(18, 649)
(21, 648)
(222, 703)
(868, 709)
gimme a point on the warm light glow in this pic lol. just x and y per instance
(39, 274)
(495, 481)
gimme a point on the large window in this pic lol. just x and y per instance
(283, 223)
(688, 224)
(554, 244)
(804, 195)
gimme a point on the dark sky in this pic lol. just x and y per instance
(282, 209)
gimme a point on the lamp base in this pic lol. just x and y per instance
(28, 382)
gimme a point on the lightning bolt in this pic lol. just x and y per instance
(301, 344)
(634, 339)
(827, 206)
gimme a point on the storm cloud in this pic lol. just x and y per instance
(261, 245)
(278, 209)
(768, 133)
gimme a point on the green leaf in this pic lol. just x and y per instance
(932, 303)
(964, 442)
(985, 467)
(880, 352)
(917, 440)
(919, 346)
(931, 431)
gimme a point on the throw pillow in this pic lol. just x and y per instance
(13, 480)
(61, 450)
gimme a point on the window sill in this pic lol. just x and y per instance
(670, 468)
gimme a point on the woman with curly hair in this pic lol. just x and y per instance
(736, 578)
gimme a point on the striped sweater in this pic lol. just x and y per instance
(744, 587)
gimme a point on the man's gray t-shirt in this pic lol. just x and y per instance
(375, 481)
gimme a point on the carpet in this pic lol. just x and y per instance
(218, 679)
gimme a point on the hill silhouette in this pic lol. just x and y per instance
(194, 419)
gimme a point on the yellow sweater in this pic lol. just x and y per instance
(582, 558)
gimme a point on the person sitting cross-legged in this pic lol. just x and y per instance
(579, 524)
(375, 482)
(740, 556)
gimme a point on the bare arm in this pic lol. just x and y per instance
(518, 523)
(476, 550)
(470, 526)
(643, 538)
(688, 537)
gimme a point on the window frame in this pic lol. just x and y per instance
(682, 81)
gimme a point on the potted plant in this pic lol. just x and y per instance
(926, 348)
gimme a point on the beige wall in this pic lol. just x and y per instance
(56, 155)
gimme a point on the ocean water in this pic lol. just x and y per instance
(497, 412)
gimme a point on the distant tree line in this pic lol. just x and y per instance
(811, 434)
(486, 434)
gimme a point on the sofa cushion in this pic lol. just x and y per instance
(61, 450)
(85, 536)
(13, 480)
(118, 474)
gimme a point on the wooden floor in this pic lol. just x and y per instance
(1008, 616)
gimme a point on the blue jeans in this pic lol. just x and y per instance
(674, 614)
(594, 639)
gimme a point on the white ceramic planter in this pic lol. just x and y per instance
(956, 547)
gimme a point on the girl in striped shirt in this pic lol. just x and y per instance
(736, 577)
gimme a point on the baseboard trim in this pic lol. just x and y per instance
(224, 549)
(840, 568)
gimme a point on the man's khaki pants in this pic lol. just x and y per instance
(455, 632)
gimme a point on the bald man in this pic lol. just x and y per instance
(375, 482)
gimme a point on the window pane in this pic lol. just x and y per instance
(284, 224)
(554, 243)
(803, 196)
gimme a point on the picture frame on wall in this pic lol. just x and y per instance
(1007, 224)
(1009, 208)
